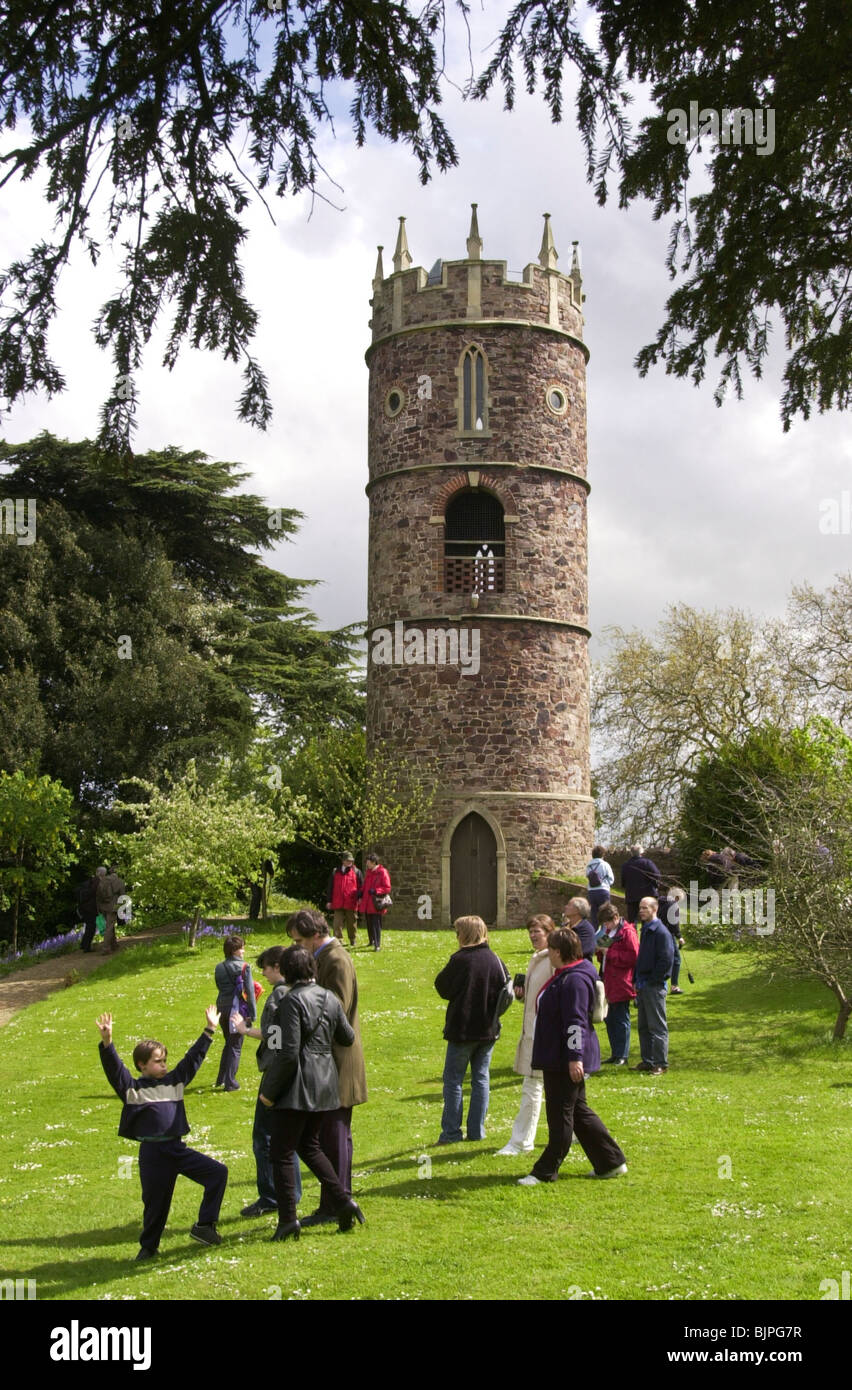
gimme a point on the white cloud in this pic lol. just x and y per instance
(690, 503)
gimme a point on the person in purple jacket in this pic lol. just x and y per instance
(153, 1114)
(566, 1051)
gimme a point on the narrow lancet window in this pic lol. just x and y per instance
(473, 401)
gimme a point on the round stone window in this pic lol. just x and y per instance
(556, 399)
(394, 402)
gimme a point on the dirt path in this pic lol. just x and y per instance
(36, 982)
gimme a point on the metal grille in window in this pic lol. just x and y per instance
(466, 575)
(474, 516)
(474, 545)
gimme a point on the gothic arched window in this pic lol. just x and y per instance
(474, 544)
(473, 391)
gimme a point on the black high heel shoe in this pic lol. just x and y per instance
(346, 1215)
(284, 1230)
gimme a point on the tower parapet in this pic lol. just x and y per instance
(478, 290)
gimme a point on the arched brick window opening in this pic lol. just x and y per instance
(474, 544)
(473, 391)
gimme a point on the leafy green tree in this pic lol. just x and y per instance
(770, 235)
(159, 102)
(720, 802)
(808, 829)
(36, 837)
(348, 804)
(197, 845)
(664, 700)
(141, 629)
(786, 799)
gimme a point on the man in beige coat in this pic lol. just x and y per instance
(336, 973)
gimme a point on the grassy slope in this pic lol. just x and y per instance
(752, 1079)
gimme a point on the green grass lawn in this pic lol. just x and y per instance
(755, 1088)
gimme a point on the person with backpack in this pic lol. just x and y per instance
(475, 982)
(600, 879)
(87, 907)
(235, 994)
(108, 890)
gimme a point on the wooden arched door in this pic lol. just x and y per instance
(473, 870)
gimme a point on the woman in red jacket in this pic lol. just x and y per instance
(377, 886)
(620, 945)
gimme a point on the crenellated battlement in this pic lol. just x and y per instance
(476, 291)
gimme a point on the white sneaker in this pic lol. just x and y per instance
(618, 1172)
(508, 1151)
(528, 1181)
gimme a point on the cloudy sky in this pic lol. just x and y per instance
(689, 503)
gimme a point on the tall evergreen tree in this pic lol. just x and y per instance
(142, 629)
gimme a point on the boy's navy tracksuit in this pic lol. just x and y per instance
(154, 1115)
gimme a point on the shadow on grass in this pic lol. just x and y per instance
(512, 1079)
(465, 1149)
(171, 949)
(57, 1278)
(759, 1017)
(94, 1271)
(458, 1189)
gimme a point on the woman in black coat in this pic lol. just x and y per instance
(227, 976)
(300, 1086)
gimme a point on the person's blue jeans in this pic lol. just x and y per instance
(261, 1138)
(676, 966)
(653, 1025)
(618, 1029)
(459, 1055)
(596, 899)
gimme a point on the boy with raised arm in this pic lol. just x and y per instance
(154, 1115)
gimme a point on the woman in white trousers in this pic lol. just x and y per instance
(538, 973)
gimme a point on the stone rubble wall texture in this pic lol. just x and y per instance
(521, 725)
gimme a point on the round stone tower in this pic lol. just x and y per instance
(477, 637)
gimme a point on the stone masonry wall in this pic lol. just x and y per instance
(511, 740)
(523, 362)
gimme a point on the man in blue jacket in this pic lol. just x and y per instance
(653, 968)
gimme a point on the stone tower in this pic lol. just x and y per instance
(477, 635)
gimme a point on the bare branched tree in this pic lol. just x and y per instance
(662, 702)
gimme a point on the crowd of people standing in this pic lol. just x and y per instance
(311, 1062)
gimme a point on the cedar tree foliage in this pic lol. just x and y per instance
(156, 104)
(143, 630)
